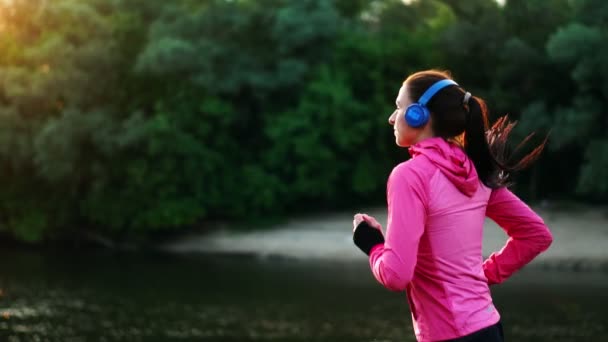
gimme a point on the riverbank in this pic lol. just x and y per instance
(580, 239)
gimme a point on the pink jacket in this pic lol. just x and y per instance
(432, 249)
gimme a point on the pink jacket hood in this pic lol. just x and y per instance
(451, 160)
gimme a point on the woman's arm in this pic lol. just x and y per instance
(393, 262)
(528, 235)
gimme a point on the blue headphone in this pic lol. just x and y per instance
(417, 114)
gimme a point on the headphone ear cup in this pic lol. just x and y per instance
(416, 115)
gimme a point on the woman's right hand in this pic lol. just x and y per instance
(368, 235)
(367, 218)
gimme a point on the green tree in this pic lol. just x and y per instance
(127, 117)
(582, 123)
(55, 70)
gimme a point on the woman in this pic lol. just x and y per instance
(437, 202)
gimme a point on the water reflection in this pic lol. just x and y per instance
(121, 297)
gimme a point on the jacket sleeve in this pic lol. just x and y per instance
(528, 235)
(394, 261)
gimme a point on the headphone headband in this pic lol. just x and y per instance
(434, 89)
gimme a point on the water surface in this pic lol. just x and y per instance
(103, 296)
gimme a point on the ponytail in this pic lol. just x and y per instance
(476, 144)
(488, 148)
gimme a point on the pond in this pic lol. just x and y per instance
(106, 296)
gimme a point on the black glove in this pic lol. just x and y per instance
(366, 237)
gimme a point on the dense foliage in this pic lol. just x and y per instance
(127, 117)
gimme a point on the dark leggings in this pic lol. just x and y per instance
(492, 333)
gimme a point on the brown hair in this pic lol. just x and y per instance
(452, 119)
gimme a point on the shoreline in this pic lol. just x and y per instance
(580, 240)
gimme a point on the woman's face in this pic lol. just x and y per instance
(404, 134)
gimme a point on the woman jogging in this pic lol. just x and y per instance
(437, 202)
